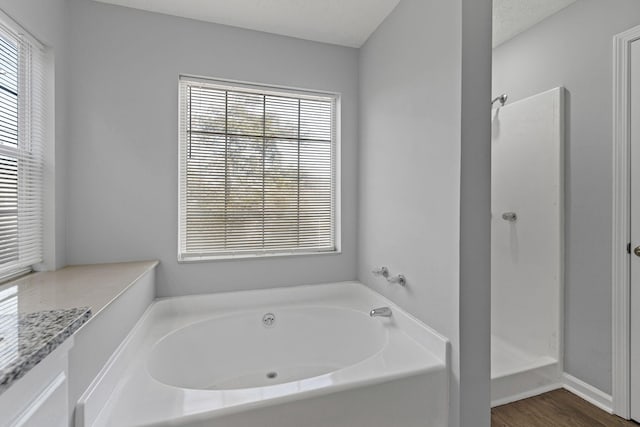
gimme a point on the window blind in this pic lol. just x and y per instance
(22, 122)
(257, 171)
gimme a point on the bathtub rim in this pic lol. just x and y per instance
(439, 344)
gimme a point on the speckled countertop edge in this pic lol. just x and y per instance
(38, 335)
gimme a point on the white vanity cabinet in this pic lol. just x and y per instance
(40, 397)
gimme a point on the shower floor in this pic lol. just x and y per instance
(507, 359)
(516, 374)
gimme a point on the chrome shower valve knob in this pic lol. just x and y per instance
(510, 216)
(399, 279)
(382, 271)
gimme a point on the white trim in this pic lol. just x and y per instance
(259, 88)
(18, 30)
(621, 227)
(588, 392)
(49, 258)
(187, 259)
(527, 394)
(570, 383)
(186, 81)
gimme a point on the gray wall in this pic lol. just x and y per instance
(47, 20)
(422, 114)
(123, 153)
(574, 49)
(474, 309)
(411, 82)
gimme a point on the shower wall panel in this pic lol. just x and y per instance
(527, 243)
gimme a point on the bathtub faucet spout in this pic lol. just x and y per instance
(380, 312)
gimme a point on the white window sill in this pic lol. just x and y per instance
(187, 259)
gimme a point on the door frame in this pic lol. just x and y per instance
(621, 223)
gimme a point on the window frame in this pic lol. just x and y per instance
(32, 101)
(262, 89)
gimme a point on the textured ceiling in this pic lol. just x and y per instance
(511, 17)
(342, 22)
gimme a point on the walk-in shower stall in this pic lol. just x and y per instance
(527, 245)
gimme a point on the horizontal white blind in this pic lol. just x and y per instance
(257, 171)
(22, 121)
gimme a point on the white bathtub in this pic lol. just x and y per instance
(289, 357)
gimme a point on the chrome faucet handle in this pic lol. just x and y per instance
(382, 271)
(399, 279)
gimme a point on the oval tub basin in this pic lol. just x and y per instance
(242, 351)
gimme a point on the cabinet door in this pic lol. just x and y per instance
(49, 408)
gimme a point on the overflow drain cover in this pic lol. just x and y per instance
(272, 375)
(269, 320)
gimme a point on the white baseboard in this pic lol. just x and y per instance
(527, 394)
(578, 387)
(588, 392)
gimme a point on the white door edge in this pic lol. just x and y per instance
(621, 224)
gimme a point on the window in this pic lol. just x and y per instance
(21, 151)
(257, 171)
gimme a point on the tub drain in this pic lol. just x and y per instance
(272, 375)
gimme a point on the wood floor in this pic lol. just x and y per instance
(558, 408)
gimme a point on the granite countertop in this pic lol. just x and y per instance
(26, 339)
(38, 312)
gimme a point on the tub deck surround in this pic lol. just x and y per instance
(95, 286)
(26, 339)
(38, 312)
(194, 359)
